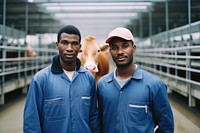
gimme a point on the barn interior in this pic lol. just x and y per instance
(166, 32)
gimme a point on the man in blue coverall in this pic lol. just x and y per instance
(62, 96)
(131, 100)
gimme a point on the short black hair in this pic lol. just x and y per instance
(70, 29)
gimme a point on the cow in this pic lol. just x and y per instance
(14, 53)
(30, 51)
(93, 58)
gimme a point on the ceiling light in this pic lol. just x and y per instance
(92, 15)
(102, 8)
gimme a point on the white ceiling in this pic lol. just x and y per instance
(98, 17)
(94, 17)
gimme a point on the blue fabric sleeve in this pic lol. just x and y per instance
(94, 120)
(32, 110)
(162, 110)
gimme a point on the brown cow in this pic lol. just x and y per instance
(93, 58)
(30, 51)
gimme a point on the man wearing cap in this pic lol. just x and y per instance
(131, 100)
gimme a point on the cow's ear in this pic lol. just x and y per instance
(104, 47)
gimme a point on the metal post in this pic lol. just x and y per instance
(150, 25)
(3, 53)
(191, 99)
(167, 18)
(25, 43)
(167, 36)
(19, 60)
(141, 27)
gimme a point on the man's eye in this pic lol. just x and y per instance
(63, 42)
(75, 43)
(125, 45)
(113, 48)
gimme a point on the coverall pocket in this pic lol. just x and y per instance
(55, 109)
(137, 114)
(85, 106)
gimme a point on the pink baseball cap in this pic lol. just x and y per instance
(120, 32)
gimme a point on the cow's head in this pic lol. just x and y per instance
(89, 54)
(30, 51)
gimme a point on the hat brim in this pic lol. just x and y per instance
(110, 38)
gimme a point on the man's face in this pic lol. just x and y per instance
(68, 47)
(122, 51)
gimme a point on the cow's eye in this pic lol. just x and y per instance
(98, 51)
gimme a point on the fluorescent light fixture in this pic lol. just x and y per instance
(100, 4)
(94, 15)
(85, 8)
(31, 1)
(98, 7)
(95, 23)
(114, 21)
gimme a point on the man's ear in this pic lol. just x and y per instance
(134, 48)
(57, 45)
(80, 50)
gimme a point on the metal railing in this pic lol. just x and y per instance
(18, 61)
(9, 31)
(17, 72)
(176, 62)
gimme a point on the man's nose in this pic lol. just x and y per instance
(120, 50)
(69, 47)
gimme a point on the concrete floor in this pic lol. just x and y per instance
(186, 121)
(11, 118)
